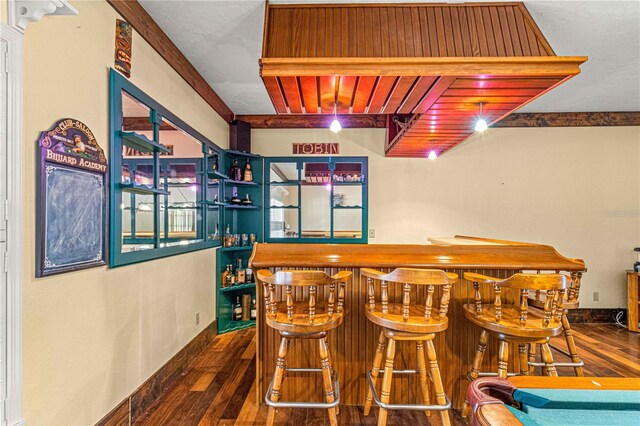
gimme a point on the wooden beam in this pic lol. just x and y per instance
(378, 121)
(540, 66)
(136, 124)
(144, 24)
(570, 119)
(314, 121)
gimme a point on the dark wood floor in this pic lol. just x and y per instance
(219, 387)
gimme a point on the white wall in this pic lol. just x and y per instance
(577, 189)
(92, 337)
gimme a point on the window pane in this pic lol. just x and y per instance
(348, 172)
(347, 223)
(282, 172)
(284, 195)
(213, 224)
(137, 234)
(283, 223)
(316, 211)
(344, 195)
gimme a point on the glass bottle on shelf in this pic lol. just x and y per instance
(240, 273)
(248, 174)
(227, 238)
(247, 200)
(237, 310)
(229, 278)
(235, 173)
(253, 309)
(224, 279)
(248, 275)
(216, 233)
(235, 199)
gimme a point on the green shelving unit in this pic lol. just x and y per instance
(241, 219)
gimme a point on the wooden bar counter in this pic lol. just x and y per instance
(353, 344)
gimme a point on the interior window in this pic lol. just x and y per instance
(317, 199)
(166, 193)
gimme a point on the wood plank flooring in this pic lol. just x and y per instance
(219, 386)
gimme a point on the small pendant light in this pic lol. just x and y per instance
(335, 126)
(481, 124)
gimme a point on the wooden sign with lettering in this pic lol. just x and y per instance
(316, 148)
(124, 35)
(72, 200)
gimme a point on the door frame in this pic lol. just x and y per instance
(13, 406)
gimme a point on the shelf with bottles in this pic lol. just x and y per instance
(241, 174)
(238, 287)
(245, 248)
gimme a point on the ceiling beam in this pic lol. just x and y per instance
(570, 119)
(547, 119)
(314, 121)
(144, 24)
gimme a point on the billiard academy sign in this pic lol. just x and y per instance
(316, 148)
(70, 142)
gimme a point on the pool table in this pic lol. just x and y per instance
(537, 401)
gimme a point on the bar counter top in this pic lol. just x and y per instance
(458, 252)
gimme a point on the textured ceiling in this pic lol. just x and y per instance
(223, 40)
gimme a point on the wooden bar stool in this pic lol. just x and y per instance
(512, 322)
(570, 302)
(407, 321)
(303, 320)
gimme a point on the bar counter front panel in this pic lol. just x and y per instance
(352, 345)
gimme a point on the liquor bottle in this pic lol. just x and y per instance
(234, 198)
(224, 279)
(229, 277)
(240, 273)
(235, 172)
(237, 310)
(216, 233)
(227, 237)
(214, 165)
(248, 174)
(248, 275)
(247, 200)
(253, 309)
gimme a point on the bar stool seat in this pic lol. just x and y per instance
(509, 324)
(310, 319)
(408, 321)
(322, 321)
(394, 316)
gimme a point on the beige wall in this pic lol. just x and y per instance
(577, 189)
(92, 337)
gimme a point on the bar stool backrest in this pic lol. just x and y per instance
(553, 285)
(571, 296)
(310, 279)
(408, 277)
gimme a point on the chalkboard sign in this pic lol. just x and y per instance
(72, 200)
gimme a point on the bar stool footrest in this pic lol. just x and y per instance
(418, 407)
(558, 364)
(305, 404)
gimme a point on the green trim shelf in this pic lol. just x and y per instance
(216, 175)
(237, 248)
(239, 325)
(346, 207)
(241, 154)
(238, 287)
(142, 189)
(240, 182)
(241, 207)
(141, 142)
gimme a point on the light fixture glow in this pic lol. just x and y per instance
(335, 125)
(432, 155)
(481, 124)
(328, 187)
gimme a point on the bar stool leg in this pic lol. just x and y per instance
(547, 358)
(532, 358)
(523, 354)
(277, 379)
(475, 367)
(331, 367)
(386, 381)
(422, 372)
(327, 380)
(503, 359)
(571, 345)
(437, 381)
(377, 361)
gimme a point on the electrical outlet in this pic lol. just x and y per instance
(372, 233)
(596, 296)
(197, 318)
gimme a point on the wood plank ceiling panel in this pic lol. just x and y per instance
(409, 59)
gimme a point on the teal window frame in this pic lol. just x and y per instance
(299, 161)
(117, 85)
